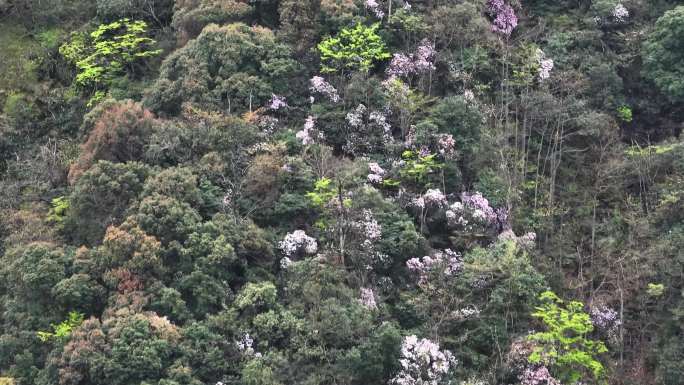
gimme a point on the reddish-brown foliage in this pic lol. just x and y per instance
(119, 135)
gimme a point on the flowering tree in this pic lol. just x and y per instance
(318, 85)
(442, 264)
(297, 241)
(504, 17)
(473, 214)
(367, 131)
(423, 363)
(309, 134)
(419, 62)
(545, 65)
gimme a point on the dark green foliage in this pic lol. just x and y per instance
(233, 68)
(191, 16)
(306, 188)
(663, 54)
(158, 12)
(101, 197)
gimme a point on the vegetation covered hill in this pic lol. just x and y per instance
(348, 192)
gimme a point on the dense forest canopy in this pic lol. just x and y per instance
(341, 192)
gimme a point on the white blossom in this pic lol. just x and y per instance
(308, 135)
(319, 85)
(245, 344)
(434, 197)
(446, 145)
(620, 13)
(545, 65)
(376, 174)
(374, 7)
(368, 298)
(285, 263)
(355, 118)
(422, 362)
(296, 241)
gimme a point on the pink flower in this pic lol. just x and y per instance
(307, 135)
(446, 145)
(319, 85)
(277, 102)
(505, 19)
(420, 61)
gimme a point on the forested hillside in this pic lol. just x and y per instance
(341, 192)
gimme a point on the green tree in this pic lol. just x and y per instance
(101, 197)
(232, 68)
(191, 16)
(353, 49)
(565, 345)
(61, 331)
(663, 54)
(106, 53)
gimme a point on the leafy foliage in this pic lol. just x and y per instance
(566, 345)
(353, 49)
(62, 331)
(340, 191)
(107, 52)
(662, 54)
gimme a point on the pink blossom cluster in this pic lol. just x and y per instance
(606, 320)
(376, 174)
(525, 241)
(374, 7)
(446, 145)
(545, 65)
(277, 102)
(521, 349)
(432, 198)
(422, 363)
(321, 86)
(371, 228)
(307, 135)
(479, 207)
(537, 375)
(419, 62)
(297, 241)
(505, 19)
(368, 298)
(448, 261)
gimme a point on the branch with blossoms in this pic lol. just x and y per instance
(423, 362)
